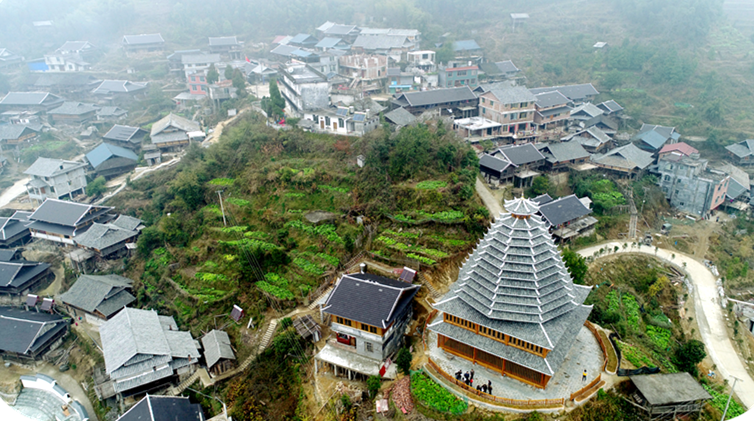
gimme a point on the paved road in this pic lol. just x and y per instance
(18, 188)
(709, 315)
(495, 207)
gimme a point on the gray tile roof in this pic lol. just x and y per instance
(125, 134)
(107, 294)
(176, 122)
(610, 107)
(111, 112)
(513, 94)
(573, 92)
(30, 98)
(664, 389)
(119, 86)
(742, 149)
(102, 236)
(563, 210)
(328, 42)
(520, 154)
(200, 58)
(74, 46)
(164, 408)
(14, 131)
(494, 163)
(466, 45)
(48, 167)
(628, 157)
(542, 199)
(26, 331)
(437, 96)
(216, 345)
(62, 212)
(13, 225)
(223, 41)
(143, 39)
(105, 151)
(340, 29)
(74, 108)
(563, 151)
(400, 117)
(127, 222)
(17, 274)
(586, 111)
(369, 299)
(651, 139)
(380, 42)
(551, 99)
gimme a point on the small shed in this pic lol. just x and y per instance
(218, 352)
(109, 160)
(668, 396)
(307, 328)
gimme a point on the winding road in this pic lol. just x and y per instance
(709, 315)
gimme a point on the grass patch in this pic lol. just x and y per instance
(431, 185)
(222, 181)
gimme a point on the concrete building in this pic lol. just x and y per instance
(513, 107)
(341, 121)
(368, 316)
(55, 178)
(690, 185)
(459, 73)
(304, 88)
(527, 327)
(369, 71)
(423, 60)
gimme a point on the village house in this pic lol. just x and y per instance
(218, 352)
(585, 112)
(738, 194)
(552, 110)
(592, 139)
(412, 35)
(144, 351)
(17, 135)
(342, 121)
(13, 230)
(525, 159)
(395, 47)
(120, 87)
(367, 314)
(144, 42)
(459, 102)
(468, 49)
(458, 73)
(329, 43)
(625, 161)
(9, 59)
(73, 113)
(229, 46)
(30, 101)
(398, 81)
(605, 123)
(331, 29)
(97, 299)
(668, 396)
(496, 169)
(29, 335)
(576, 93)
(61, 83)
(126, 136)
(369, 71)
(19, 277)
(499, 71)
(303, 41)
(742, 152)
(568, 218)
(423, 60)
(561, 155)
(111, 114)
(476, 129)
(198, 63)
(526, 331)
(174, 131)
(681, 148)
(76, 47)
(164, 408)
(513, 107)
(399, 117)
(304, 88)
(65, 63)
(611, 108)
(690, 185)
(110, 160)
(652, 138)
(55, 178)
(60, 221)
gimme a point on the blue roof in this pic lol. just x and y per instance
(468, 44)
(328, 42)
(653, 139)
(106, 151)
(301, 53)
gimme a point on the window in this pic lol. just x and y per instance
(339, 320)
(347, 322)
(484, 111)
(201, 79)
(327, 121)
(492, 103)
(341, 123)
(667, 178)
(462, 73)
(514, 116)
(372, 329)
(368, 347)
(522, 115)
(364, 327)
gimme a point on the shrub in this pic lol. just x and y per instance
(403, 360)
(373, 385)
(96, 187)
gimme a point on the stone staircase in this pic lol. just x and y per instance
(432, 291)
(267, 337)
(177, 390)
(320, 299)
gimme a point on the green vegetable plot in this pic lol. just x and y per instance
(435, 396)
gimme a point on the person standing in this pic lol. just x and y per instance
(472, 374)
(583, 377)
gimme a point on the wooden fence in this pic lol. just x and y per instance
(593, 329)
(517, 403)
(584, 389)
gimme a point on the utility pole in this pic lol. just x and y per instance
(735, 379)
(222, 209)
(225, 408)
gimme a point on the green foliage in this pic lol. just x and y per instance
(308, 266)
(236, 201)
(326, 231)
(403, 360)
(540, 185)
(688, 355)
(332, 260)
(431, 185)
(212, 74)
(275, 103)
(210, 278)
(435, 396)
(228, 73)
(575, 264)
(720, 399)
(445, 216)
(603, 192)
(222, 181)
(425, 260)
(96, 187)
(634, 356)
(334, 189)
(234, 229)
(660, 337)
(631, 308)
(187, 187)
(250, 243)
(373, 385)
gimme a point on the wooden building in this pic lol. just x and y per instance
(218, 352)
(525, 328)
(668, 396)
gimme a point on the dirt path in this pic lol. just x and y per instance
(18, 188)
(492, 204)
(709, 314)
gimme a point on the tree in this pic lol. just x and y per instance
(373, 385)
(540, 185)
(212, 74)
(575, 264)
(612, 80)
(96, 187)
(239, 82)
(445, 53)
(688, 355)
(403, 360)
(228, 72)
(275, 103)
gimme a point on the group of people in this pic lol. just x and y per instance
(468, 379)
